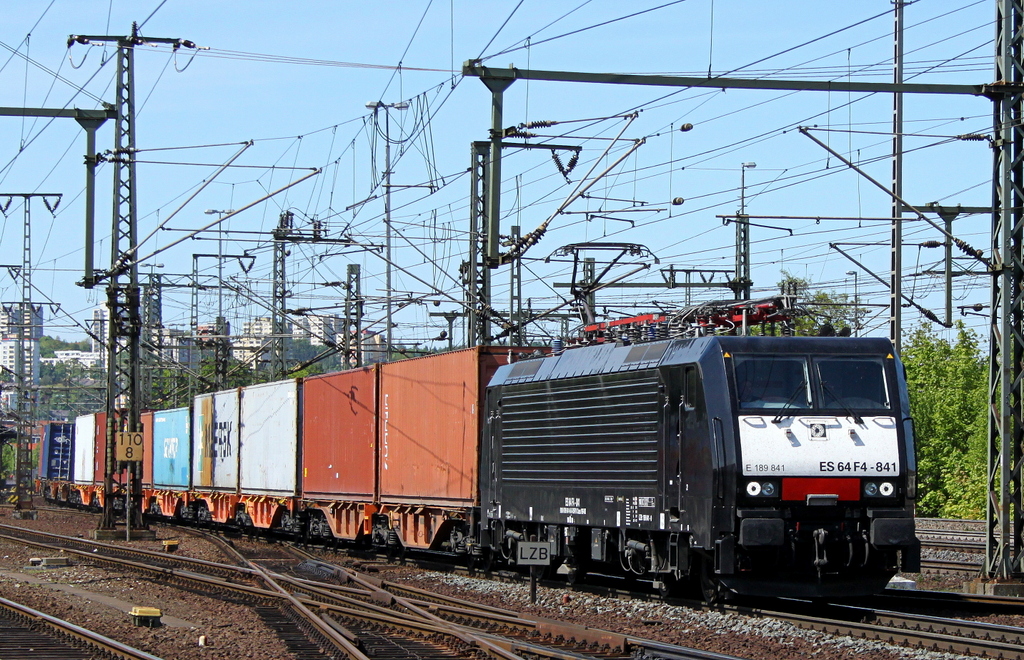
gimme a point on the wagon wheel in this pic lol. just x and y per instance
(486, 561)
(395, 554)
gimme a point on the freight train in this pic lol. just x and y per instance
(780, 466)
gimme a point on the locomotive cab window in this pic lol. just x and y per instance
(855, 383)
(772, 382)
(690, 385)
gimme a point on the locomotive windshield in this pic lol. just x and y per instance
(857, 383)
(785, 382)
(772, 381)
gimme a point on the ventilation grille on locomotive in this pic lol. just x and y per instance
(585, 431)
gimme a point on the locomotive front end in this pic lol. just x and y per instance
(825, 474)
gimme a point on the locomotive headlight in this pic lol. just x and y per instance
(871, 489)
(886, 489)
(762, 488)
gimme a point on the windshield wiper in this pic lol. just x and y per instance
(828, 390)
(789, 402)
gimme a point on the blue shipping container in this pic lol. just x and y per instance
(172, 448)
(58, 452)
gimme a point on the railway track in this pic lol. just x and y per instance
(915, 630)
(26, 634)
(882, 624)
(333, 603)
(950, 566)
(360, 619)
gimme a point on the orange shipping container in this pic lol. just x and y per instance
(429, 425)
(338, 426)
(147, 448)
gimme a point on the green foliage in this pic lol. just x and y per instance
(948, 388)
(69, 389)
(824, 307)
(8, 453)
(49, 345)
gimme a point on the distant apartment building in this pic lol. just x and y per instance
(11, 324)
(85, 358)
(319, 330)
(171, 344)
(99, 327)
(255, 340)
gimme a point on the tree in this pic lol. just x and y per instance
(825, 309)
(948, 389)
(8, 453)
(48, 346)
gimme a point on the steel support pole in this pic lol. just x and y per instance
(476, 273)
(26, 358)
(389, 308)
(485, 214)
(743, 280)
(195, 351)
(280, 295)
(23, 505)
(152, 337)
(948, 217)
(518, 336)
(123, 413)
(1004, 542)
(353, 342)
(91, 160)
(497, 87)
(896, 227)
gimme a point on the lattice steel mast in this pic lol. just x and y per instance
(25, 359)
(1006, 428)
(123, 409)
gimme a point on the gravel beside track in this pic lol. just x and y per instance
(232, 630)
(730, 634)
(235, 631)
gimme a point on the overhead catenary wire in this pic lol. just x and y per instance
(440, 203)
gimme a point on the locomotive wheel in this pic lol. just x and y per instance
(669, 587)
(481, 563)
(711, 590)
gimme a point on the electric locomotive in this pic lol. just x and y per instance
(773, 466)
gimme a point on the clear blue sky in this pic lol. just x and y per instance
(295, 78)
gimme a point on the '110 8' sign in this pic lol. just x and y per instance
(129, 446)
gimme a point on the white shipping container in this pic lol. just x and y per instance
(215, 441)
(269, 438)
(85, 448)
